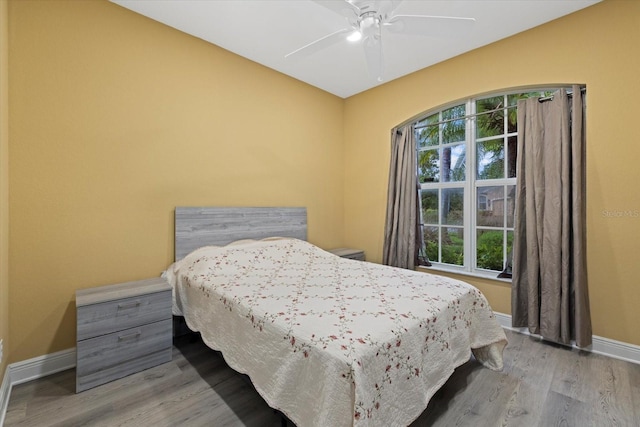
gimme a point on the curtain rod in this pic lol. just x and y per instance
(469, 116)
(569, 94)
(466, 116)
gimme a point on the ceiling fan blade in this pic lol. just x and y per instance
(428, 25)
(341, 7)
(373, 55)
(355, 8)
(395, 4)
(386, 7)
(321, 43)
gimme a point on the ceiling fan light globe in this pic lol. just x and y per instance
(355, 36)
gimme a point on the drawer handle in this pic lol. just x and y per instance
(132, 304)
(129, 336)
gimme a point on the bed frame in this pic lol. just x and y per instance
(196, 227)
(206, 226)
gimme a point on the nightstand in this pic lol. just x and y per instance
(348, 253)
(122, 329)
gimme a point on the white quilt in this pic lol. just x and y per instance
(331, 341)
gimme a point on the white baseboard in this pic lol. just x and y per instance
(5, 392)
(31, 369)
(41, 366)
(600, 345)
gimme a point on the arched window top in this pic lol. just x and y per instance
(466, 167)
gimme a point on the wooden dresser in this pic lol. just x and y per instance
(122, 329)
(348, 253)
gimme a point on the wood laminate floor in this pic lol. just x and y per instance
(541, 385)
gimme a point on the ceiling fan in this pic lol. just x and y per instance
(366, 21)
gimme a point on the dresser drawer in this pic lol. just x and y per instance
(103, 318)
(112, 356)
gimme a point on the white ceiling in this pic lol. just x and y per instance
(265, 30)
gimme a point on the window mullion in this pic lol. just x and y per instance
(439, 224)
(440, 180)
(505, 207)
(505, 233)
(470, 198)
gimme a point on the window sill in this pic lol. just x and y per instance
(481, 275)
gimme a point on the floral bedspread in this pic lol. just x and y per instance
(331, 341)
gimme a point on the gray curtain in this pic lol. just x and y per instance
(549, 287)
(400, 233)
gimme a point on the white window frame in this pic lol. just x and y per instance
(472, 183)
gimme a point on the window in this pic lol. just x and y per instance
(467, 174)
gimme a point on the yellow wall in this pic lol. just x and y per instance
(597, 46)
(115, 120)
(4, 182)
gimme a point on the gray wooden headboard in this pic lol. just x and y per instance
(206, 226)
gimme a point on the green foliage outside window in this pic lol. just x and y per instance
(442, 142)
(489, 251)
(452, 246)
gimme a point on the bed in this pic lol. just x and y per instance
(327, 341)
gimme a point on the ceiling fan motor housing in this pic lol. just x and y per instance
(369, 24)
